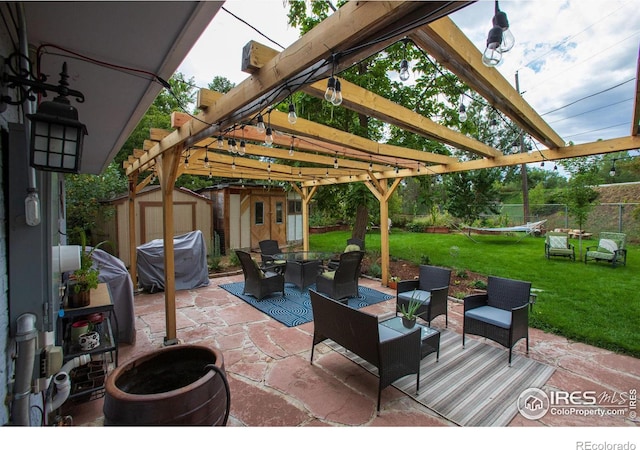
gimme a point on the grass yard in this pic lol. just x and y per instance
(591, 303)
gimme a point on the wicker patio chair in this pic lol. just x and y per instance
(610, 248)
(353, 244)
(501, 314)
(343, 282)
(268, 248)
(257, 282)
(557, 244)
(431, 288)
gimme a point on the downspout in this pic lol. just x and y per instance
(32, 202)
(26, 340)
(62, 382)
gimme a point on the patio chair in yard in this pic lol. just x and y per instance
(501, 314)
(431, 288)
(610, 248)
(257, 282)
(557, 244)
(343, 282)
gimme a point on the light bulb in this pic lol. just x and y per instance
(243, 147)
(260, 125)
(268, 139)
(492, 55)
(404, 70)
(291, 150)
(292, 117)
(186, 162)
(206, 161)
(330, 93)
(269, 168)
(338, 98)
(32, 208)
(233, 165)
(220, 142)
(335, 163)
(462, 113)
(612, 172)
(508, 40)
(235, 146)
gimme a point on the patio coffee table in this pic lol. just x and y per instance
(430, 337)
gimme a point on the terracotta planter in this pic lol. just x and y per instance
(393, 285)
(78, 299)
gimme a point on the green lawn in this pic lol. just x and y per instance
(591, 303)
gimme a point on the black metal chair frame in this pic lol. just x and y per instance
(506, 294)
(257, 282)
(358, 332)
(345, 281)
(435, 280)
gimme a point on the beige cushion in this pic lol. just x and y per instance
(607, 245)
(330, 275)
(558, 241)
(352, 248)
(260, 272)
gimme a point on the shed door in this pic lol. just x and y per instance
(268, 219)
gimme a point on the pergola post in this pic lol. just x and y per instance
(306, 194)
(168, 163)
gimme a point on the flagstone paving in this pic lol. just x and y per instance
(273, 383)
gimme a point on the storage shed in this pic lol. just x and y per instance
(245, 214)
(192, 212)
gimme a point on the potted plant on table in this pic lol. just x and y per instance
(409, 311)
(82, 280)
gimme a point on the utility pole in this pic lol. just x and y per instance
(523, 170)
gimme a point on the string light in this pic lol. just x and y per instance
(292, 117)
(330, 93)
(462, 112)
(404, 65)
(206, 158)
(268, 139)
(335, 161)
(220, 141)
(260, 125)
(233, 164)
(337, 99)
(500, 39)
(243, 147)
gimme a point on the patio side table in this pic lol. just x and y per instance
(430, 337)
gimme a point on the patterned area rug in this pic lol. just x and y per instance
(294, 308)
(473, 386)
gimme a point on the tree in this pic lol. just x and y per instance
(472, 193)
(580, 196)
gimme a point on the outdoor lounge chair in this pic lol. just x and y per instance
(431, 287)
(268, 248)
(343, 282)
(501, 314)
(257, 282)
(610, 248)
(557, 244)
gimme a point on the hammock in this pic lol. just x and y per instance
(528, 228)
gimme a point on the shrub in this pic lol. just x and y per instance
(479, 284)
(425, 260)
(375, 270)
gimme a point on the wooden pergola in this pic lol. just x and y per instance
(354, 32)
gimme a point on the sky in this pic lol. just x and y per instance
(576, 59)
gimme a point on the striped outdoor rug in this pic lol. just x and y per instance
(473, 386)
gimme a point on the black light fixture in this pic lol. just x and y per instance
(404, 64)
(56, 133)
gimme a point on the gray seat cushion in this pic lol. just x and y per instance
(423, 296)
(489, 314)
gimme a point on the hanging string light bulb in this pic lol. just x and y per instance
(220, 142)
(292, 116)
(268, 139)
(500, 20)
(206, 158)
(186, 160)
(260, 124)
(370, 164)
(337, 100)
(335, 161)
(233, 164)
(462, 112)
(404, 65)
(243, 148)
(330, 93)
(268, 167)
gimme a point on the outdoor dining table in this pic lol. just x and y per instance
(302, 267)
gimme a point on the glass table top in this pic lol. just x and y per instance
(395, 323)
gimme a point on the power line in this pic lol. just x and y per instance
(252, 27)
(590, 111)
(588, 96)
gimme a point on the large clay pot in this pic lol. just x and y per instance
(178, 385)
(78, 299)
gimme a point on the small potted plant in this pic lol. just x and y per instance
(85, 278)
(393, 282)
(409, 311)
